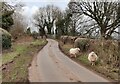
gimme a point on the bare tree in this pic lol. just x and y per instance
(59, 25)
(105, 14)
(46, 17)
(39, 20)
(52, 13)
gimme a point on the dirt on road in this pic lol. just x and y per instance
(51, 65)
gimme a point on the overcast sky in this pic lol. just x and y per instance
(33, 5)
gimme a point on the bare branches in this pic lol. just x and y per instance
(46, 17)
(106, 14)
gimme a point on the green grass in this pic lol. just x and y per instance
(8, 57)
(17, 49)
(66, 47)
(18, 70)
(83, 59)
(38, 42)
(21, 48)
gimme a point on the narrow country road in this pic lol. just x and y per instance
(51, 65)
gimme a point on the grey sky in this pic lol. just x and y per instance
(33, 5)
(40, 3)
(62, 5)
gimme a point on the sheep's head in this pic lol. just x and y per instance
(92, 53)
(78, 49)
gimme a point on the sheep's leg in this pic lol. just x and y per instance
(75, 55)
(93, 63)
(90, 63)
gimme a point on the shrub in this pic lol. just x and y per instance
(34, 34)
(28, 31)
(83, 44)
(6, 39)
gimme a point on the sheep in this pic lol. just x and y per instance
(74, 51)
(92, 57)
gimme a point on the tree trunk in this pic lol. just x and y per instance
(103, 31)
(49, 27)
(42, 32)
(49, 30)
(73, 29)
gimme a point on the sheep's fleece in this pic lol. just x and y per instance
(74, 51)
(92, 57)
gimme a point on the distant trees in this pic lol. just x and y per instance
(6, 20)
(28, 31)
(60, 25)
(39, 21)
(63, 22)
(105, 14)
(75, 19)
(45, 17)
(52, 13)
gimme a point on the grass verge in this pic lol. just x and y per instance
(82, 59)
(15, 63)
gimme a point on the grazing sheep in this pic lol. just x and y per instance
(74, 51)
(92, 57)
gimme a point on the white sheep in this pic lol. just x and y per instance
(92, 57)
(74, 51)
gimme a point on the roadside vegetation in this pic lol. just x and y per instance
(108, 54)
(19, 45)
(16, 61)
